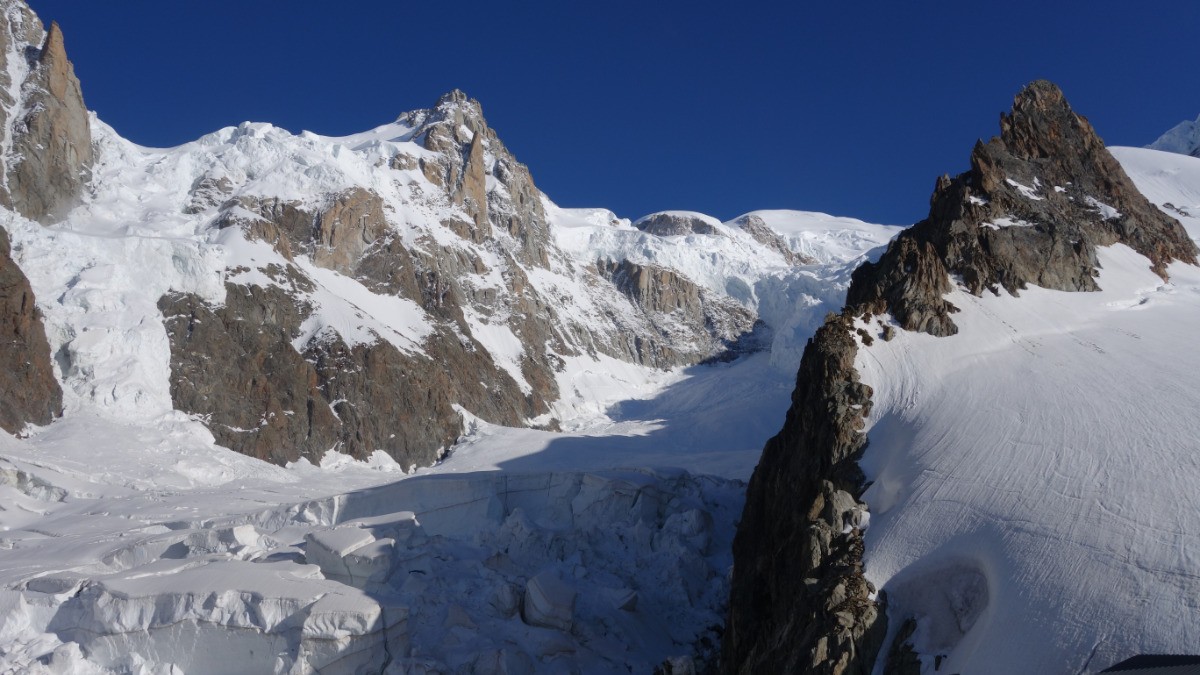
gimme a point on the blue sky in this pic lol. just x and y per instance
(852, 108)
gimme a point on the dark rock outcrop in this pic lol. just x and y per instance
(799, 602)
(29, 392)
(52, 143)
(236, 367)
(1032, 209)
(470, 150)
(671, 224)
(1034, 206)
(689, 324)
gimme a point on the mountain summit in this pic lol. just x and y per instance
(1032, 209)
(1183, 138)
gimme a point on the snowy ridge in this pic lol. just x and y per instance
(1183, 138)
(791, 299)
(1032, 474)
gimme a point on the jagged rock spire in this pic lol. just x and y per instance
(51, 137)
(1032, 209)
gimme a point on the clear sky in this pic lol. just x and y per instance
(852, 108)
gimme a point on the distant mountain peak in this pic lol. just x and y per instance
(1183, 139)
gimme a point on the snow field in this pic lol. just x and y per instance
(1033, 476)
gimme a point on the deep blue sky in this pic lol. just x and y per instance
(852, 108)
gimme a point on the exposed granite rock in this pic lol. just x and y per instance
(755, 227)
(671, 223)
(472, 188)
(207, 192)
(693, 324)
(471, 151)
(799, 602)
(356, 399)
(352, 222)
(273, 401)
(52, 143)
(19, 27)
(237, 368)
(1034, 206)
(29, 391)
(1036, 203)
(286, 226)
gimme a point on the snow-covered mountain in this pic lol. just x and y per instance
(298, 293)
(353, 310)
(290, 403)
(1183, 138)
(989, 461)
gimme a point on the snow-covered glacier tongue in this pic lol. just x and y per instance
(987, 467)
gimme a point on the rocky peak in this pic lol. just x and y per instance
(675, 223)
(1183, 138)
(1042, 125)
(51, 137)
(1032, 209)
(471, 152)
(462, 109)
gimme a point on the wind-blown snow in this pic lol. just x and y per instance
(1034, 475)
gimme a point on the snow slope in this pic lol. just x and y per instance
(1034, 476)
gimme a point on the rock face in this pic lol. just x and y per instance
(52, 144)
(280, 400)
(1036, 203)
(799, 602)
(676, 223)
(1034, 206)
(757, 228)
(28, 388)
(688, 322)
(239, 366)
(42, 115)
